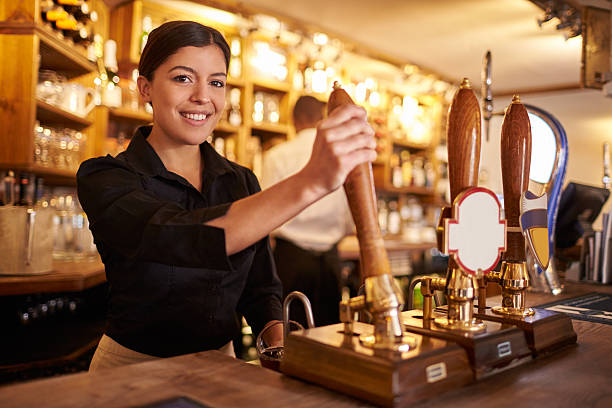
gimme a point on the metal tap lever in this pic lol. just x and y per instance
(307, 307)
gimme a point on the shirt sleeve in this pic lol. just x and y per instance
(270, 173)
(261, 300)
(126, 218)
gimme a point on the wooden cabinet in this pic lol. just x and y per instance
(27, 45)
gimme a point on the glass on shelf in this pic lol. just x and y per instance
(258, 107)
(72, 239)
(272, 110)
(50, 87)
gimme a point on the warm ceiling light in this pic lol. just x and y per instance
(319, 38)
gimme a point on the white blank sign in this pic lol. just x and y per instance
(476, 234)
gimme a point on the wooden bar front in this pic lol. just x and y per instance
(577, 376)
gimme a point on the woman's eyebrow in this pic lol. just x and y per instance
(219, 74)
(182, 67)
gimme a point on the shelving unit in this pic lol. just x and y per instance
(53, 115)
(130, 115)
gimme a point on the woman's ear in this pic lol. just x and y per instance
(144, 87)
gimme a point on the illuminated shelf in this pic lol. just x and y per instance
(279, 128)
(225, 127)
(269, 85)
(56, 53)
(130, 115)
(54, 115)
(408, 145)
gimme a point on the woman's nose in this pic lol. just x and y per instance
(200, 94)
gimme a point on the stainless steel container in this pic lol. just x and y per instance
(26, 240)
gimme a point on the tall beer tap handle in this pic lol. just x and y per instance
(359, 188)
(463, 130)
(515, 163)
(463, 140)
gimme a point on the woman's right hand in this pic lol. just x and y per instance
(344, 140)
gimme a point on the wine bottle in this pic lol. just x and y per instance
(69, 5)
(82, 13)
(66, 25)
(54, 14)
(26, 189)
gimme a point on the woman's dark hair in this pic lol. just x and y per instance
(168, 38)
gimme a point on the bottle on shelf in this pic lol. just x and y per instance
(235, 65)
(418, 173)
(52, 13)
(407, 169)
(396, 171)
(112, 92)
(258, 107)
(234, 116)
(430, 174)
(8, 187)
(147, 27)
(395, 220)
(26, 190)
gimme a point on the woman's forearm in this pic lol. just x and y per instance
(344, 140)
(250, 219)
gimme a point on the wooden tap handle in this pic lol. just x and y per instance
(463, 140)
(515, 163)
(359, 188)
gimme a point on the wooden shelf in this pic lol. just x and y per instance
(348, 248)
(56, 53)
(54, 115)
(235, 81)
(66, 277)
(51, 175)
(422, 191)
(408, 145)
(130, 115)
(279, 128)
(225, 127)
(269, 85)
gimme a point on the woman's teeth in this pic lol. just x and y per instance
(194, 116)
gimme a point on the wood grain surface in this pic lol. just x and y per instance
(326, 356)
(359, 188)
(65, 277)
(515, 163)
(481, 348)
(463, 140)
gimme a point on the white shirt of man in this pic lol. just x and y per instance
(325, 222)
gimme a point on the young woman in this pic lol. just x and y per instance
(183, 232)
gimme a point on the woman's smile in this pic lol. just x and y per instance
(195, 118)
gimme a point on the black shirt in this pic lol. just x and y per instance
(173, 289)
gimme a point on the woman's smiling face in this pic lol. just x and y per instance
(187, 93)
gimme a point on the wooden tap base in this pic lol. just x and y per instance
(496, 349)
(326, 356)
(545, 331)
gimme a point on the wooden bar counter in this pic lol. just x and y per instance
(578, 376)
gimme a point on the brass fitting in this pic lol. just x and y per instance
(348, 308)
(514, 281)
(384, 301)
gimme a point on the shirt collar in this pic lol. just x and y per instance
(144, 159)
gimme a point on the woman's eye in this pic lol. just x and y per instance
(182, 78)
(218, 84)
